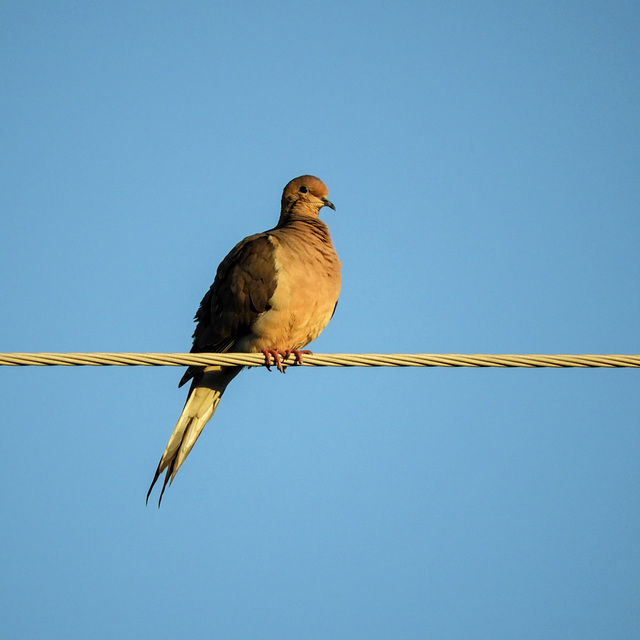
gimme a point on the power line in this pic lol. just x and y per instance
(323, 360)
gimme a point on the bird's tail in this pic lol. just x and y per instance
(204, 396)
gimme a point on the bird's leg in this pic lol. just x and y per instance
(298, 354)
(275, 354)
(278, 356)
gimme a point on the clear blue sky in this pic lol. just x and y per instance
(484, 160)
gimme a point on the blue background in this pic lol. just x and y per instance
(484, 160)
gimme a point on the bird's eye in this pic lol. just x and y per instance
(303, 189)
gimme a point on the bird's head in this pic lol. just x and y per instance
(304, 196)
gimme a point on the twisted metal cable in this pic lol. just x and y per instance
(322, 360)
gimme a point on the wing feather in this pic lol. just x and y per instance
(243, 287)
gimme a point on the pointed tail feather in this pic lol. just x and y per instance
(203, 399)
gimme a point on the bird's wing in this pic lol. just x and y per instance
(244, 284)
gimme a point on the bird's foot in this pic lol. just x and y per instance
(278, 356)
(298, 353)
(275, 354)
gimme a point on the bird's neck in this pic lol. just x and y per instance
(297, 223)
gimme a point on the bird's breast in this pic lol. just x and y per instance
(305, 296)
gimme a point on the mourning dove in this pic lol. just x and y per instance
(273, 294)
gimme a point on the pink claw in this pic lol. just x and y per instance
(275, 354)
(298, 354)
(278, 356)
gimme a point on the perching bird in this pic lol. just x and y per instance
(273, 294)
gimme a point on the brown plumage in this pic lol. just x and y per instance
(274, 293)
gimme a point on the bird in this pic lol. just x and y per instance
(273, 294)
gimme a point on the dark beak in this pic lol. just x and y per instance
(328, 203)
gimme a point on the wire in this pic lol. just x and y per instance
(322, 360)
